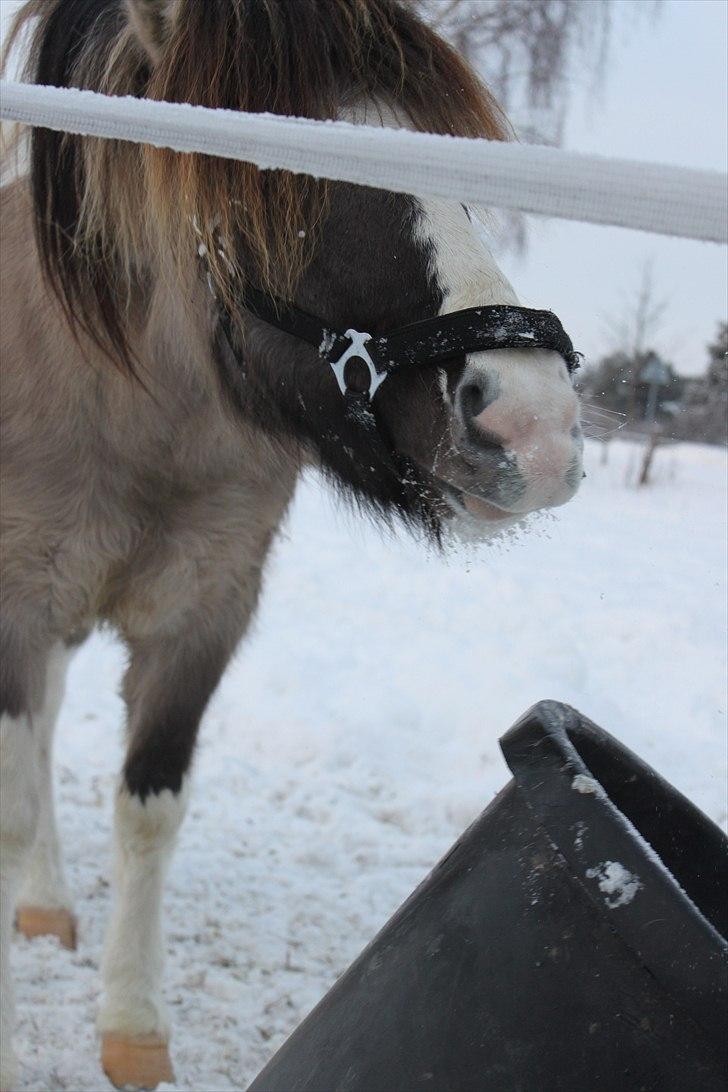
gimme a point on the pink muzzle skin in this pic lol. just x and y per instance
(544, 449)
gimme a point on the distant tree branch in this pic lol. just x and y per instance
(530, 51)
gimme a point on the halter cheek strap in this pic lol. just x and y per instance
(439, 340)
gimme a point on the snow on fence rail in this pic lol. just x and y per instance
(667, 200)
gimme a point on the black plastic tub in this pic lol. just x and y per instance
(573, 938)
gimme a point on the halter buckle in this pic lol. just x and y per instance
(357, 349)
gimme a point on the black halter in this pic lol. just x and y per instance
(439, 340)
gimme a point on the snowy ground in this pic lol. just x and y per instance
(356, 735)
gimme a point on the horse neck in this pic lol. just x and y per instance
(82, 401)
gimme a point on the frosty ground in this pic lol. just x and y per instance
(355, 736)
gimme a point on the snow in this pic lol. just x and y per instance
(584, 784)
(327, 343)
(581, 829)
(616, 882)
(355, 737)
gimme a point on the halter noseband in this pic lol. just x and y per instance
(439, 340)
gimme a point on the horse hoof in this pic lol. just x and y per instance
(136, 1061)
(36, 921)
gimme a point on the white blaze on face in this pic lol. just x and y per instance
(530, 405)
(461, 260)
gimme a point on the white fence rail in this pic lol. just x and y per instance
(658, 198)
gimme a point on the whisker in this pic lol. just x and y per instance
(599, 423)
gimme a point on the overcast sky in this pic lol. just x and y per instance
(664, 99)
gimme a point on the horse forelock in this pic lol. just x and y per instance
(108, 212)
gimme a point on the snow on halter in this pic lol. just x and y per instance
(443, 339)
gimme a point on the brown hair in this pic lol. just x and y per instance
(108, 211)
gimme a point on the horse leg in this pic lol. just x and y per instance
(18, 814)
(167, 686)
(22, 665)
(44, 903)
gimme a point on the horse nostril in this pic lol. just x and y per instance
(472, 400)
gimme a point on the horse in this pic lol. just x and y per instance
(156, 415)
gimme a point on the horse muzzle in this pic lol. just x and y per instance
(517, 441)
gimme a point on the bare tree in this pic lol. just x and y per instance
(529, 51)
(636, 327)
(642, 317)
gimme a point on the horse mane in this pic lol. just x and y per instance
(107, 211)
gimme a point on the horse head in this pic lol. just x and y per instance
(486, 436)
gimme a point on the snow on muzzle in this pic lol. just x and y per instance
(517, 432)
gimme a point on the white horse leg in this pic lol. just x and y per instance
(44, 903)
(18, 815)
(170, 679)
(133, 1020)
(167, 686)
